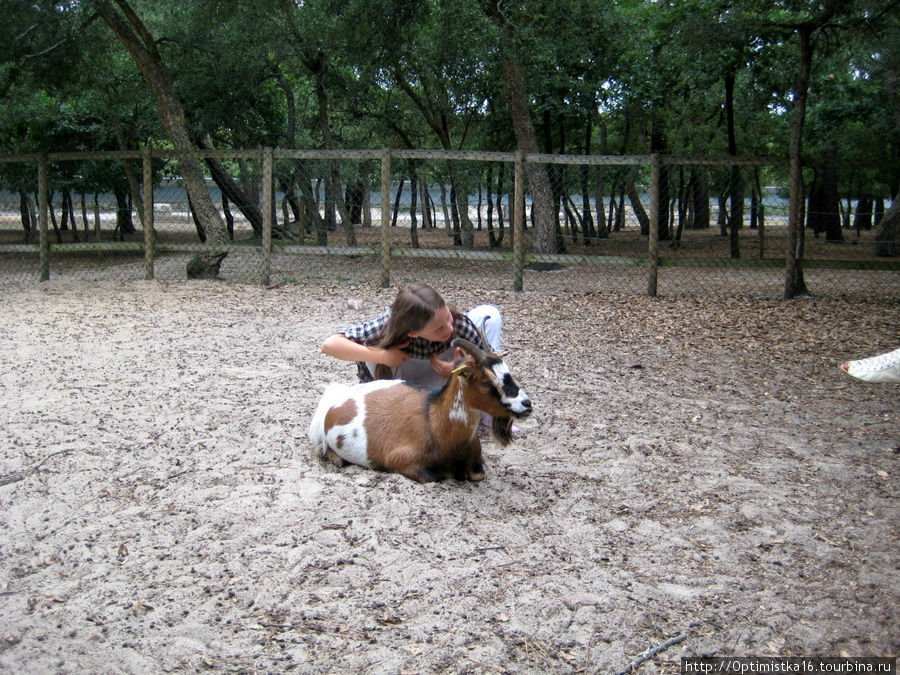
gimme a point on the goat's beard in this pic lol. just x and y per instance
(502, 428)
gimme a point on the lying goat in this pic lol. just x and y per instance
(424, 434)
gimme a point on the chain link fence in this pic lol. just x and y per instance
(668, 226)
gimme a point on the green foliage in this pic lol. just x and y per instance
(370, 73)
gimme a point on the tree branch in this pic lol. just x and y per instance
(651, 652)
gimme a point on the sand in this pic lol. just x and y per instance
(698, 475)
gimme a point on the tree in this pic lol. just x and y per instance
(138, 41)
(526, 139)
(439, 66)
(697, 77)
(806, 30)
(887, 236)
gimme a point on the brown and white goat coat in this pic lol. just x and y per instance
(424, 434)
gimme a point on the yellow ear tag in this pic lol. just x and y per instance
(462, 372)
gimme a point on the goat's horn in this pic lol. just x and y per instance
(469, 347)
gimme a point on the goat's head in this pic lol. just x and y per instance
(492, 387)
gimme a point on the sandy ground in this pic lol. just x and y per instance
(696, 473)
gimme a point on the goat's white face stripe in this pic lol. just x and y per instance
(459, 412)
(515, 401)
(350, 440)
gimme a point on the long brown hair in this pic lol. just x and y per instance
(413, 308)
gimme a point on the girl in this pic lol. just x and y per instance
(411, 339)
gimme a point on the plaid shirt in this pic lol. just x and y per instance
(370, 332)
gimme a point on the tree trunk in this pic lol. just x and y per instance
(427, 205)
(602, 226)
(396, 212)
(588, 230)
(878, 212)
(699, 189)
(97, 225)
(756, 204)
(133, 183)
(366, 202)
(722, 215)
(681, 207)
(460, 192)
(136, 39)
(29, 216)
(53, 222)
(526, 139)
(823, 210)
(620, 214)
(640, 213)
(736, 220)
(448, 221)
(247, 203)
(555, 176)
(124, 224)
(334, 178)
(845, 213)
(659, 145)
(501, 174)
(831, 201)
(599, 205)
(355, 190)
(462, 226)
(794, 284)
(69, 213)
(862, 218)
(461, 230)
(229, 216)
(413, 205)
(887, 234)
(489, 180)
(316, 62)
(84, 216)
(736, 217)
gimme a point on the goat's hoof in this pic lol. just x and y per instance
(331, 457)
(476, 472)
(423, 476)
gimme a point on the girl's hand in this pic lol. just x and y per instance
(444, 368)
(394, 356)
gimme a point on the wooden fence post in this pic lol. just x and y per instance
(147, 216)
(44, 208)
(518, 220)
(653, 252)
(385, 217)
(268, 207)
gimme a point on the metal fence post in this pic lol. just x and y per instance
(268, 209)
(653, 252)
(385, 217)
(44, 207)
(518, 220)
(147, 216)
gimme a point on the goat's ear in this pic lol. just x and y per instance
(463, 372)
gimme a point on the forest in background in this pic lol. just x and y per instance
(728, 78)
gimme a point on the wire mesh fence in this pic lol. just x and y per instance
(679, 226)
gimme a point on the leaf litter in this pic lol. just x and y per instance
(699, 477)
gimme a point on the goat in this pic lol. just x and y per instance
(425, 434)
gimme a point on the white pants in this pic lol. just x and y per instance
(419, 371)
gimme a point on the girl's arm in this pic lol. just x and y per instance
(445, 368)
(341, 347)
